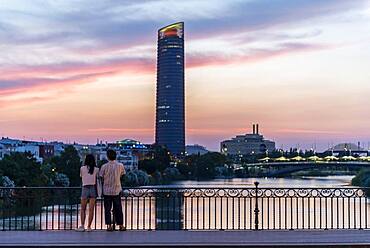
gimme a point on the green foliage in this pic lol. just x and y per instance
(100, 163)
(149, 165)
(68, 163)
(184, 169)
(156, 178)
(61, 180)
(6, 182)
(362, 179)
(162, 156)
(171, 174)
(161, 159)
(49, 173)
(136, 178)
(23, 169)
(203, 167)
(221, 171)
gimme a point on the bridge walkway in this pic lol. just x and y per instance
(277, 238)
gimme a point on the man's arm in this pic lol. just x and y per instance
(101, 172)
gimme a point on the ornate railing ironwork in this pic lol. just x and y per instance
(175, 208)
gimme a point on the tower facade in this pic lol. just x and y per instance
(170, 98)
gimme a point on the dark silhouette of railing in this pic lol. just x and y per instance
(203, 208)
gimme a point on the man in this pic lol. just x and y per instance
(111, 173)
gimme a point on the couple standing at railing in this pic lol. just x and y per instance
(109, 177)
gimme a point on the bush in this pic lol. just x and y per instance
(142, 177)
(361, 179)
(136, 178)
(221, 171)
(23, 169)
(6, 182)
(61, 180)
(171, 174)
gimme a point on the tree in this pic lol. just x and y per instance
(61, 180)
(161, 159)
(142, 177)
(136, 178)
(68, 163)
(171, 174)
(362, 179)
(184, 169)
(49, 173)
(149, 165)
(203, 167)
(23, 169)
(6, 182)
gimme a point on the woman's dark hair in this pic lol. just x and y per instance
(90, 163)
(111, 154)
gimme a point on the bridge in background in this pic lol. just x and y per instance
(277, 169)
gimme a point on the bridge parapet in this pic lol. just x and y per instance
(195, 208)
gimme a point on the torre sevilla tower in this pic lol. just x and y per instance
(170, 107)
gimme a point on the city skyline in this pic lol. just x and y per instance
(299, 68)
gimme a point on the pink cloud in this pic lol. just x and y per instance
(121, 130)
(35, 78)
(258, 55)
(307, 131)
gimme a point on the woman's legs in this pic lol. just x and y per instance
(83, 211)
(92, 202)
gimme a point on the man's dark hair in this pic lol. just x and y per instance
(111, 154)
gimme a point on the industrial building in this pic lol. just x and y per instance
(247, 144)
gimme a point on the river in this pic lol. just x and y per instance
(329, 181)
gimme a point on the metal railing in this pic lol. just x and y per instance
(177, 208)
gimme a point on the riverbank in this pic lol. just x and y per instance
(362, 178)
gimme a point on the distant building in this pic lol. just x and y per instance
(58, 147)
(3, 151)
(7, 142)
(40, 150)
(138, 149)
(128, 159)
(129, 152)
(46, 151)
(170, 98)
(344, 149)
(247, 144)
(195, 149)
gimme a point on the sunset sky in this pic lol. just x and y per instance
(82, 70)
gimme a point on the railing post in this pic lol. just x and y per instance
(256, 209)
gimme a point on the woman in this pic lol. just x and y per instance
(89, 173)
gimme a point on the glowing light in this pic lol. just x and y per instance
(175, 29)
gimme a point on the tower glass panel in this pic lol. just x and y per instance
(170, 99)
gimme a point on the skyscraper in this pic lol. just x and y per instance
(170, 107)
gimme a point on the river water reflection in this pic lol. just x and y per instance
(330, 181)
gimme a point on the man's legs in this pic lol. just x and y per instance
(107, 209)
(117, 210)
